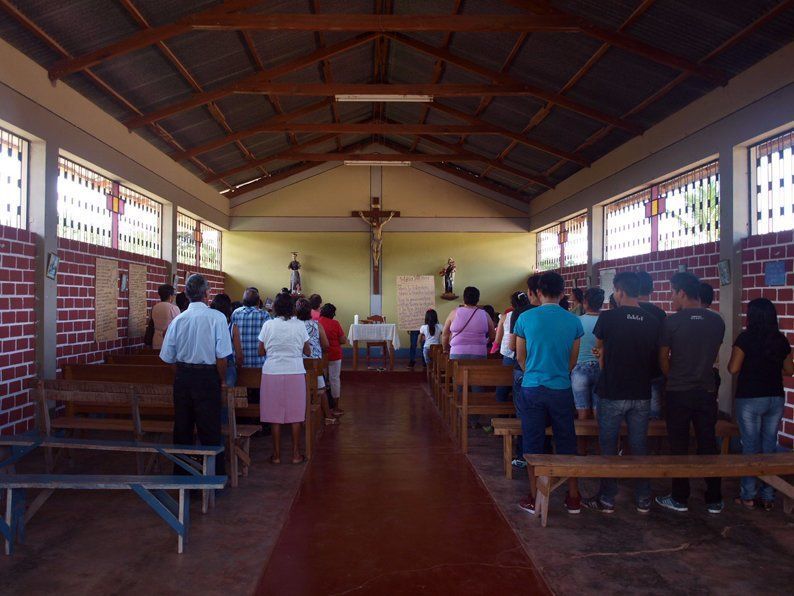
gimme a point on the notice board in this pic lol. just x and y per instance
(415, 294)
(137, 301)
(106, 296)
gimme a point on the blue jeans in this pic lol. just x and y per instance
(584, 379)
(426, 354)
(535, 405)
(657, 388)
(611, 414)
(758, 418)
(413, 336)
(503, 393)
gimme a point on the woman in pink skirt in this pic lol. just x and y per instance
(282, 395)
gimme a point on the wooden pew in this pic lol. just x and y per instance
(138, 408)
(553, 470)
(159, 374)
(454, 387)
(508, 428)
(470, 403)
(136, 359)
(148, 351)
(433, 354)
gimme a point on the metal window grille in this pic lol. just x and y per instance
(139, 225)
(627, 231)
(13, 179)
(210, 250)
(548, 248)
(186, 244)
(773, 184)
(575, 245)
(82, 204)
(692, 208)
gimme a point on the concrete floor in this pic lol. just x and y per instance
(110, 542)
(736, 552)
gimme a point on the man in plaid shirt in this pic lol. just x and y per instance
(249, 320)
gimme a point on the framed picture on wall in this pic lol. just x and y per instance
(125, 279)
(724, 268)
(52, 265)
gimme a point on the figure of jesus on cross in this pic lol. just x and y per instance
(376, 219)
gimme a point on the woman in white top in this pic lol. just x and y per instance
(282, 394)
(430, 333)
(163, 313)
(518, 302)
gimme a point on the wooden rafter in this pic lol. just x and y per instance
(498, 77)
(213, 108)
(199, 99)
(768, 16)
(250, 131)
(621, 40)
(476, 125)
(544, 112)
(94, 78)
(325, 66)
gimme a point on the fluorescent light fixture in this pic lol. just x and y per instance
(375, 162)
(396, 97)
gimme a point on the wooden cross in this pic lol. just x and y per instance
(376, 219)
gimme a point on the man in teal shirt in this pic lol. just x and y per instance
(547, 347)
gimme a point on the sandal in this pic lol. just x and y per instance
(765, 505)
(749, 505)
(274, 460)
(330, 421)
(299, 461)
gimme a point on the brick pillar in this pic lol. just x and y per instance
(169, 240)
(595, 242)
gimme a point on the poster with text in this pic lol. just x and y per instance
(137, 301)
(415, 294)
(106, 293)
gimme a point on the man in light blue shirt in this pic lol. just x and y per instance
(547, 347)
(198, 342)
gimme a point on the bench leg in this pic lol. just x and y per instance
(507, 454)
(12, 527)
(184, 519)
(542, 498)
(208, 496)
(234, 464)
(176, 515)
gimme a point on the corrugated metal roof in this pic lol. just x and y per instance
(617, 83)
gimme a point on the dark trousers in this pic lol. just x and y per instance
(414, 341)
(698, 408)
(197, 402)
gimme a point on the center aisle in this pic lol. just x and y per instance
(388, 506)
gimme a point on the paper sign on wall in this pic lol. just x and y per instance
(606, 279)
(137, 301)
(106, 293)
(415, 294)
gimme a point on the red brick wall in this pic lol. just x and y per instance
(17, 329)
(701, 260)
(216, 279)
(756, 250)
(76, 271)
(575, 276)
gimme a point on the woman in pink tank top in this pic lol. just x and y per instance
(468, 329)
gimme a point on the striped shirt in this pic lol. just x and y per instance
(249, 321)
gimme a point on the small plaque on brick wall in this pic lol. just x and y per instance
(106, 292)
(775, 273)
(137, 301)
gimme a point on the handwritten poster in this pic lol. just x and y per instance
(137, 301)
(106, 291)
(415, 294)
(606, 277)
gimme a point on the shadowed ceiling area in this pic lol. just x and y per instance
(525, 93)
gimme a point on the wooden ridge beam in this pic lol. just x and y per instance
(621, 40)
(384, 22)
(419, 157)
(505, 79)
(380, 128)
(199, 99)
(140, 40)
(248, 132)
(477, 124)
(435, 90)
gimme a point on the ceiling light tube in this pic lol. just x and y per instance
(396, 97)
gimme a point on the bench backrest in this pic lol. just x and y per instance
(122, 373)
(136, 359)
(456, 380)
(489, 376)
(251, 378)
(154, 351)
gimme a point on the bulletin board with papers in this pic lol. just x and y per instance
(137, 301)
(415, 294)
(106, 293)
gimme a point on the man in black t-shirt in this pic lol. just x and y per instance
(657, 385)
(690, 341)
(627, 344)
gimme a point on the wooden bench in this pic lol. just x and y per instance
(508, 428)
(159, 374)
(471, 403)
(151, 489)
(552, 470)
(185, 456)
(454, 386)
(137, 408)
(136, 359)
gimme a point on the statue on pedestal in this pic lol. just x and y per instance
(448, 272)
(295, 287)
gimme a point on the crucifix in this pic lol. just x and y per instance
(376, 219)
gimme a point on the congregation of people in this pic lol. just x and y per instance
(626, 365)
(209, 342)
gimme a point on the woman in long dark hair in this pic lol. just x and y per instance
(223, 304)
(761, 356)
(429, 333)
